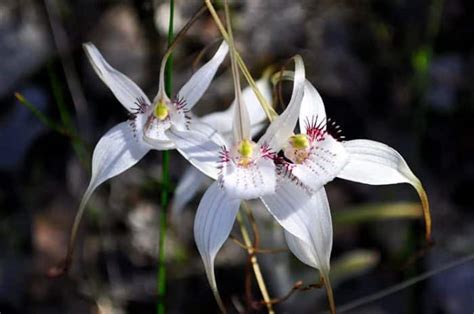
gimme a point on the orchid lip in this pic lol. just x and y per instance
(247, 170)
(245, 154)
(153, 123)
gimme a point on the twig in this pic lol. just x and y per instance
(256, 250)
(254, 262)
(161, 276)
(70, 72)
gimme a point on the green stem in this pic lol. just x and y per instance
(161, 280)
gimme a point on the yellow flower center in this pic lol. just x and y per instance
(245, 148)
(161, 110)
(298, 148)
(299, 141)
(246, 151)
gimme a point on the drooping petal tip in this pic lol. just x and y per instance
(426, 211)
(215, 217)
(378, 164)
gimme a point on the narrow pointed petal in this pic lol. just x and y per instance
(317, 253)
(222, 120)
(215, 217)
(116, 151)
(124, 89)
(283, 126)
(323, 164)
(188, 185)
(241, 123)
(312, 108)
(199, 149)
(249, 182)
(193, 90)
(378, 164)
(287, 206)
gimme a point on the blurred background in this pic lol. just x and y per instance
(395, 71)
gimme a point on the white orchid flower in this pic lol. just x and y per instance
(317, 158)
(243, 170)
(193, 180)
(149, 124)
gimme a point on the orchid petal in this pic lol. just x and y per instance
(312, 108)
(317, 253)
(124, 89)
(287, 206)
(193, 90)
(249, 182)
(208, 131)
(378, 164)
(189, 184)
(200, 150)
(282, 127)
(116, 151)
(222, 120)
(214, 219)
(159, 145)
(241, 123)
(256, 112)
(324, 162)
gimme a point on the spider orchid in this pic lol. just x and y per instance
(244, 170)
(149, 124)
(316, 158)
(193, 180)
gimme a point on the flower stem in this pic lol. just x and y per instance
(254, 262)
(269, 111)
(330, 294)
(161, 278)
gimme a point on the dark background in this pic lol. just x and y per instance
(400, 72)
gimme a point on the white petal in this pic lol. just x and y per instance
(249, 182)
(207, 130)
(312, 108)
(214, 219)
(222, 120)
(282, 127)
(378, 164)
(193, 90)
(316, 254)
(159, 145)
(116, 151)
(287, 206)
(323, 164)
(124, 89)
(375, 163)
(256, 112)
(241, 122)
(200, 150)
(188, 185)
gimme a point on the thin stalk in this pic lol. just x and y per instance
(330, 294)
(404, 284)
(255, 265)
(269, 111)
(171, 45)
(242, 124)
(161, 278)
